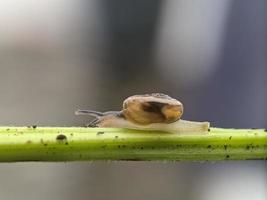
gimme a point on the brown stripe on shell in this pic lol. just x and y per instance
(152, 108)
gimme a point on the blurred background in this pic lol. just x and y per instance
(58, 55)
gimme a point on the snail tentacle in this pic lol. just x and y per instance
(89, 112)
(101, 118)
(93, 123)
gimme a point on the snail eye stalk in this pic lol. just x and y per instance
(89, 112)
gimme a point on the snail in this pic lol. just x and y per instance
(151, 112)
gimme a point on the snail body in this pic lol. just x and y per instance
(151, 112)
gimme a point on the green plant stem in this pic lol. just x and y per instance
(75, 143)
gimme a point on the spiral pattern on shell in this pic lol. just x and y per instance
(152, 108)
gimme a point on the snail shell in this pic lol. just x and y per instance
(152, 108)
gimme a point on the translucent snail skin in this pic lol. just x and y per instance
(150, 112)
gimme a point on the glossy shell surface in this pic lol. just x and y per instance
(152, 108)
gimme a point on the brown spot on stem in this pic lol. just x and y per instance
(61, 137)
(100, 133)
